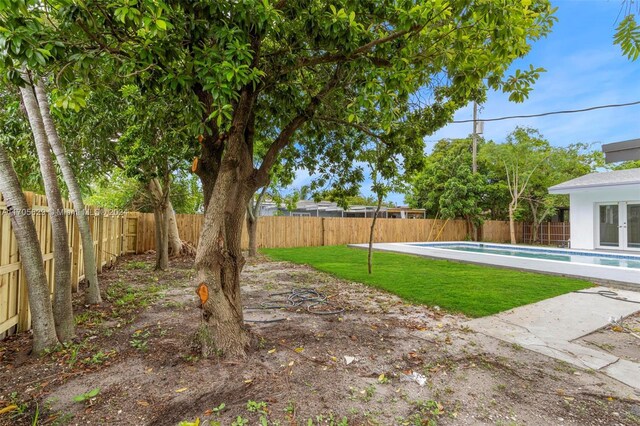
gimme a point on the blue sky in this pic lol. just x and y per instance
(583, 69)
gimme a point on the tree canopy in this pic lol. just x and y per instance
(526, 164)
(312, 82)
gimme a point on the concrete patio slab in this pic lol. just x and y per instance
(550, 326)
(624, 371)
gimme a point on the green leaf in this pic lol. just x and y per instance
(627, 36)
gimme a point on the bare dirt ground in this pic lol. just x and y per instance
(345, 369)
(622, 341)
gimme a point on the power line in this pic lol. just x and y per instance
(567, 111)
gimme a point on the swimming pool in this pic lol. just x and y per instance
(561, 255)
(600, 267)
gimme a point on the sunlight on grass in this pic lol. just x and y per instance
(471, 289)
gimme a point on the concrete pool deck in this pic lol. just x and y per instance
(551, 326)
(628, 278)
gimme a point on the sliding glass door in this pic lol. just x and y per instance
(619, 225)
(609, 225)
(633, 225)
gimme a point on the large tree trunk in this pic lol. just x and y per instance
(62, 307)
(219, 259)
(92, 294)
(219, 262)
(371, 233)
(512, 224)
(42, 322)
(228, 182)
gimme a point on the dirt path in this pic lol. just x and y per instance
(137, 351)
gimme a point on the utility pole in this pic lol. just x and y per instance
(474, 137)
(477, 128)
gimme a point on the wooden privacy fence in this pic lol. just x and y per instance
(292, 231)
(551, 233)
(116, 234)
(109, 242)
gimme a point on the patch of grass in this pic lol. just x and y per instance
(474, 290)
(99, 357)
(127, 299)
(88, 318)
(139, 340)
(71, 352)
(137, 264)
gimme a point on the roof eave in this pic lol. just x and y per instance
(569, 189)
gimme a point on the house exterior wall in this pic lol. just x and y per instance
(584, 216)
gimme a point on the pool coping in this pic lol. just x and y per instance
(611, 275)
(533, 249)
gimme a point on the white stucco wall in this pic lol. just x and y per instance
(583, 213)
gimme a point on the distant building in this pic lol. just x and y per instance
(622, 151)
(310, 208)
(605, 209)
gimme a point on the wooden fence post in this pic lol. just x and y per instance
(123, 240)
(100, 252)
(75, 255)
(139, 234)
(24, 314)
(109, 241)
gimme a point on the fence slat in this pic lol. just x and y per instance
(109, 242)
(114, 235)
(297, 231)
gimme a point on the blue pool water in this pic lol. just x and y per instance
(573, 256)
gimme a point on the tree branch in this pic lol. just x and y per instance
(342, 57)
(356, 126)
(287, 132)
(258, 202)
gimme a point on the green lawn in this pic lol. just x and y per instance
(471, 289)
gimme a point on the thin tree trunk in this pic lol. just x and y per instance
(42, 322)
(252, 227)
(162, 237)
(371, 233)
(512, 225)
(252, 230)
(174, 243)
(162, 211)
(92, 295)
(534, 223)
(253, 214)
(62, 307)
